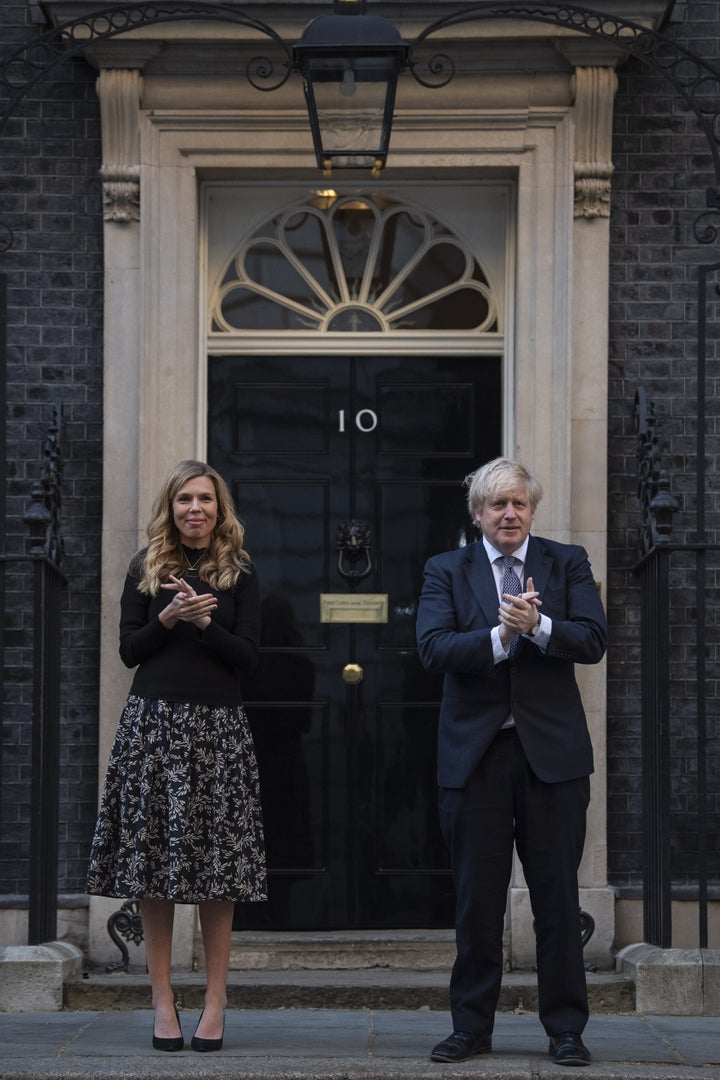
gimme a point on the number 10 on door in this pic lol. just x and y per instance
(365, 420)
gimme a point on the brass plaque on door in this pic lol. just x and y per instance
(360, 608)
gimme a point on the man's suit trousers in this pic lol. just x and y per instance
(504, 804)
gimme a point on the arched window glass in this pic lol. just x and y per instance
(353, 264)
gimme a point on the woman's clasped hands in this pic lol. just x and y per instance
(187, 605)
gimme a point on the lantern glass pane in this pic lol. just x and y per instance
(350, 99)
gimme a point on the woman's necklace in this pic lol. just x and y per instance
(194, 566)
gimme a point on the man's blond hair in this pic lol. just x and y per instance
(494, 478)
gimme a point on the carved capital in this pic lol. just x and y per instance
(119, 93)
(592, 189)
(121, 193)
(595, 89)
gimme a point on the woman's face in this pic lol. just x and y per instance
(195, 511)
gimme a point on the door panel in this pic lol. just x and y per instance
(348, 771)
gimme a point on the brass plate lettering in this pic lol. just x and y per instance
(360, 608)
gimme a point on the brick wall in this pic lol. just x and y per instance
(51, 198)
(663, 167)
(51, 152)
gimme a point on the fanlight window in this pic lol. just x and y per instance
(355, 265)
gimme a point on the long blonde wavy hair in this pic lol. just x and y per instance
(226, 558)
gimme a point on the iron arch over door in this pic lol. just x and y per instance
(691, 77)
(343, 715)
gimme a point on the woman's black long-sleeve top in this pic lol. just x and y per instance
(203, 667)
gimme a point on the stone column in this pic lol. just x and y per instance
(594, 90)
(119, 90)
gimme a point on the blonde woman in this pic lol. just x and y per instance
(180, 818)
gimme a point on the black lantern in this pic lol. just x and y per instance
(350, 62)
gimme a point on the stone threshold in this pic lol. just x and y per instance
(419, 950)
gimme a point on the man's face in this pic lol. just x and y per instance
(505, 519)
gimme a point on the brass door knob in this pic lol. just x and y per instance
(352, 674)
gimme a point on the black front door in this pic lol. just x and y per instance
(318, 451)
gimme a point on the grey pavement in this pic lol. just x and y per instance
(345, 1044)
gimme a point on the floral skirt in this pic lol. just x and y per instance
(180, 817)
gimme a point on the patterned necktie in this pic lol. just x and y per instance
(511, 585)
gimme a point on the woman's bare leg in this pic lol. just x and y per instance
(157, 919)
(216, 917)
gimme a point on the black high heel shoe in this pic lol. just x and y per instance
(169, 1044)
(204, 1046)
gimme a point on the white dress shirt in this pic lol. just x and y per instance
(542, 637)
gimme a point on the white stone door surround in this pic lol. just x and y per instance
(556, 397)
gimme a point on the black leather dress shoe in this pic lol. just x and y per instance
(461, 1045)
(569, 1049)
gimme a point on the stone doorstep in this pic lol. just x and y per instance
(407, 950)
(366, 988)
(360, 969)
(50, 977)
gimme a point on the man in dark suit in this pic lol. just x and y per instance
(505, 620)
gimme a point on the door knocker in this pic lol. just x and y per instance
(353, 548)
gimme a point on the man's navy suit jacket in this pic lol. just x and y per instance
(457, 611)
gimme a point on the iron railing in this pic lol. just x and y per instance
(47, 583)
(674, 693)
